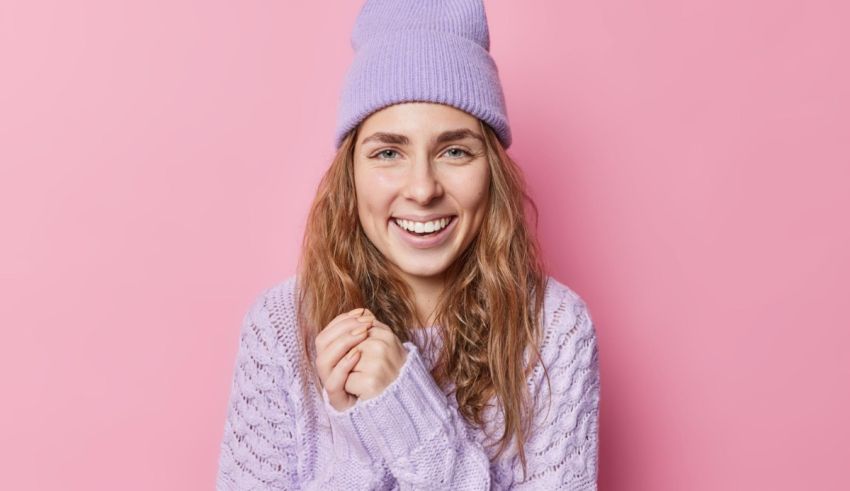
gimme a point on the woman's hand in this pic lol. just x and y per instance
(382, 358)
(336, 354)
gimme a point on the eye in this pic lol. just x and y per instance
(463, 153)
(383, 153)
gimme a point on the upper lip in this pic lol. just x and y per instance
(424, 218)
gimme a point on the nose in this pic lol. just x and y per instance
(423, 185)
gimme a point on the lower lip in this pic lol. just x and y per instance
(425, 241)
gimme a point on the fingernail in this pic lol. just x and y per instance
(359, 331)
(365, 318)
(351, 354)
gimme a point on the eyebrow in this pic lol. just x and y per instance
(446, 136)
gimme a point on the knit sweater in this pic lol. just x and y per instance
(281, 432)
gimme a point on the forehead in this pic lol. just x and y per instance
(418, 120)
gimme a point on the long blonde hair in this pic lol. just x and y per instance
(489, 313)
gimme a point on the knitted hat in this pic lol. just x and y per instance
(422, 50)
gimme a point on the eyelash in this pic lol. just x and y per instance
(375, 156)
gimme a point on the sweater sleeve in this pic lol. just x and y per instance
(259, 448)
(413, 428)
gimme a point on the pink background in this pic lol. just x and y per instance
(690, 160)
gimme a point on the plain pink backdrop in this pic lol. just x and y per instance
(690, 159)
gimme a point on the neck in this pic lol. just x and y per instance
(426, 292)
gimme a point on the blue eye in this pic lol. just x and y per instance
(383, 152)
(464, 152)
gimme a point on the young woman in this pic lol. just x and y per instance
(421, 344)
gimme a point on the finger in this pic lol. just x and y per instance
(361, 313)
(333, 352)
(345, 326)
(321, 336)
(381, 325)
(344, 315)
(335, 383)
(351, 313)
(356, 383)
(382, 331)
(373, 348)
(343, 322)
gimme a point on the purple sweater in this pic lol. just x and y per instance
(282, 433)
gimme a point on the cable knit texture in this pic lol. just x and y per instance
(282, 433)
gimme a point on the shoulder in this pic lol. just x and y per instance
(562, 305)
(567, 324)
(276, 302)
(269, 333)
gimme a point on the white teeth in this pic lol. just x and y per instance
(423, 227)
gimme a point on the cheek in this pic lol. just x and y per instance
(472, 198)
(375, 192)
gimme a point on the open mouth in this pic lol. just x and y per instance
(424, 229)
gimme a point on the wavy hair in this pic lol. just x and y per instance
(489, 313)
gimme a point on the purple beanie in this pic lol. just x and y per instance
(422, 50)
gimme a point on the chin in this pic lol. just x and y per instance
(422, 270)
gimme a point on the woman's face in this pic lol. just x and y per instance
(422, 179)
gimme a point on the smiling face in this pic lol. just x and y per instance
(422, 181)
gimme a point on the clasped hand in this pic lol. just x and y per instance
(357, 357)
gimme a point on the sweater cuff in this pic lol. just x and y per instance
(408, 413)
